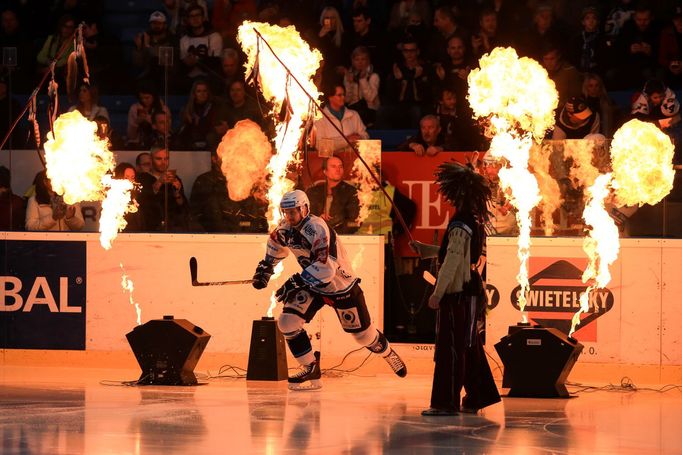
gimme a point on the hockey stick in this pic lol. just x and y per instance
(193, 270)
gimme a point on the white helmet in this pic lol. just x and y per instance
(296, 198)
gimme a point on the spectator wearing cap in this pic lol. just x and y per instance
(147, 44)
(200, 47)
(670, 50)
(576, 120)
(12, 207)
(587, 50)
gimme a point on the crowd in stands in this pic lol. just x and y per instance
(388, 64)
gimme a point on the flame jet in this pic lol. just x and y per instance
(517, 100)
(266, 65)
(641, 158)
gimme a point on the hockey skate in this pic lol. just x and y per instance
(396, 363)
(308, 377)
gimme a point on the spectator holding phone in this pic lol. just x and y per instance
(163, 193)
(670, 51)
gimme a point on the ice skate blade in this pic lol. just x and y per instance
(313, 384)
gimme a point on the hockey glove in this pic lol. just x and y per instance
(290, 288)
(263, 273)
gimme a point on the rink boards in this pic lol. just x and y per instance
(66, 290)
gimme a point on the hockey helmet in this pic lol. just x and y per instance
(296, 198)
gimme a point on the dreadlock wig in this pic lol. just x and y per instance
(466, 190)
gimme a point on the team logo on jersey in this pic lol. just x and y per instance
(350, 319)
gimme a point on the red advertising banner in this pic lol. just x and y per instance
(413, 176)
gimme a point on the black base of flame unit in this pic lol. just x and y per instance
(537, 361)
(267, 354)
(167, 350)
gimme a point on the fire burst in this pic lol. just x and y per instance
(518, 100)
(128, 286)
(116, 204)
(370, 151)
(641, 157)
(244, 151)
(77, 159)
(549, 188)
(282, 92)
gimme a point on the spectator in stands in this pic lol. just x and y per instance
(252, 212)
(105, 131)
(364, 34)
(513, 16)
(139, 133)
(232, 70)
(13, 35)
(159, 186)
(87, 103)
(228, 15)
(200, 47)
(588, 50)
(598, 100)
(211, 208)
(408, 88)
(670, 50)
(543, 30)
(576, 120)
(430, 141)
(63, 37)
(402, 10)
(331, 42)
(12, 207)
(618, 16)
(7, 105)
(458, 129)
(335, 200)
(162, 133)
(143, 163)
(134, 220)
(566, 77)
(636, 51)
(240, 106)
(362, 86)
(658, 104)
(445, 27)
(488, 37)
(47, 211)
(454, 71)
(201, 125)
(146, 50)
(104, 56)
(327, 139)
(177, 11)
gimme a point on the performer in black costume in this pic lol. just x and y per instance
(459, 297)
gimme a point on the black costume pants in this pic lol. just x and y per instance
(460, 358)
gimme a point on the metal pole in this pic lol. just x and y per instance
(350, 144)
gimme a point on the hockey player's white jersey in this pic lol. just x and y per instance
(325, 265)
